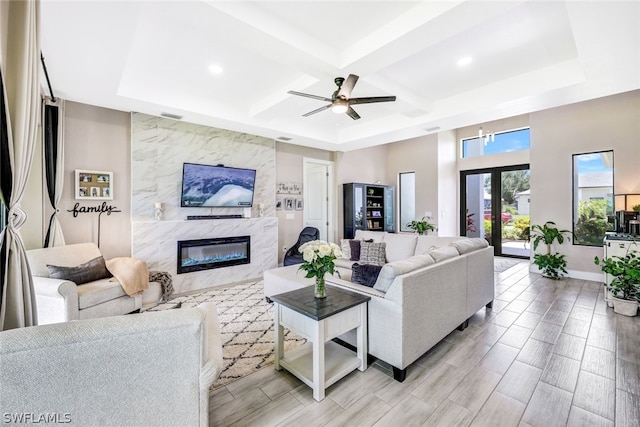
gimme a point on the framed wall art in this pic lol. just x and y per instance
(94, 185)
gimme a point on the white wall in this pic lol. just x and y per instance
(610, 123)
(419, 155)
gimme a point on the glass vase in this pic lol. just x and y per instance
(320, 291)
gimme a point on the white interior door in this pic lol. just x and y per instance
(318, 175)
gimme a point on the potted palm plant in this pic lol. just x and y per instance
(625, 286)
(552, 265)
(422, 226)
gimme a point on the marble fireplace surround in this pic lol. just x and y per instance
(159, 147)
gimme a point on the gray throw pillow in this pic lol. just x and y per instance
(372, 253)
(83, 273)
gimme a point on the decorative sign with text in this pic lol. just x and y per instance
(103, 208)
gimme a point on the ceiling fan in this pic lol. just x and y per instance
(340, 101)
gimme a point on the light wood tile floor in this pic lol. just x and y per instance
(550, 353)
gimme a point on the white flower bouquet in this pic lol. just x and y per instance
(318, 258)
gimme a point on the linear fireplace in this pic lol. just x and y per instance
(205, 254)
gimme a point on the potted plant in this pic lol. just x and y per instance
(625, 286)
(422, 226)
(552, 265)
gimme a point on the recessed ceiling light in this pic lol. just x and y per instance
(462, 62)
(215, 69)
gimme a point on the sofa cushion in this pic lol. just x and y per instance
(365, 274)
(89, 271)
(98, 292)
(372, 253)
(464, 246)
(425, 243)
(396, 268)
(400, 246)
(354, 249)
(345, 247)
(443, 253)
(376, 236)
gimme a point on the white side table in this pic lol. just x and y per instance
(320, 362)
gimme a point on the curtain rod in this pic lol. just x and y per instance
(44, 67)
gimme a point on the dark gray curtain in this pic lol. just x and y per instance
(53, 169)
(6, 180)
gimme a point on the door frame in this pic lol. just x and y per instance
(331, 215)
(496, 194)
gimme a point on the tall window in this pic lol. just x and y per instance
(592, 197)
(502, 142)
(407, 182)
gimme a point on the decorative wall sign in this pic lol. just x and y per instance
(289, 188)
(100, 209)
(94, 185)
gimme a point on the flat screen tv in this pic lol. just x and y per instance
(216, 186)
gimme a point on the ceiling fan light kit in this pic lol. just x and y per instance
(340, 101)
(339, 106)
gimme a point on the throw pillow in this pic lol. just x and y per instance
(373, 253)
(365, 274)
(94, 269)
(354, 248)
(345, 247)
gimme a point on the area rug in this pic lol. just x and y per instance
(503, 264)
(246, 324)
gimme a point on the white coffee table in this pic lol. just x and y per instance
(320, 362)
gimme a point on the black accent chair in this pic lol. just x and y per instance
(292, 256)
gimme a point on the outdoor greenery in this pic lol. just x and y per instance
(513, 182)
(591, 223)
(551, 265)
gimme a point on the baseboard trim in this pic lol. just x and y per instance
(575, 274)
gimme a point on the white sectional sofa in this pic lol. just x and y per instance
(433, 286)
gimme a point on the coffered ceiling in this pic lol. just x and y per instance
(156, 56)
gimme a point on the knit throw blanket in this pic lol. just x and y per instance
(165, 281)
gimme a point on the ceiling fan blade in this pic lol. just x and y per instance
(371, 99)
(352, 113)
(347, 86)
(308, 95)
(317, 110)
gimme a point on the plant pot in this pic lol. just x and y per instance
(608, 296)
(625, 307)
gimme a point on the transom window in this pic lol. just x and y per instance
(495, 143)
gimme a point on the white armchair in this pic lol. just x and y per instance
(60, 300)
(147, 369)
